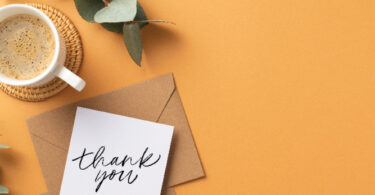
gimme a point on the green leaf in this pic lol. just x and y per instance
(3, 190)
(113, 27)
(133, 41)
(141, 15)
(88, 8)
(4, 146)
(117, 11)
(117, 27)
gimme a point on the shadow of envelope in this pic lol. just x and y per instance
(154, 100)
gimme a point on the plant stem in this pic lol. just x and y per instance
(106, 2)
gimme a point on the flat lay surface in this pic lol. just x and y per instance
(279, 95)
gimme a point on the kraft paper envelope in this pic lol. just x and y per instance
(154, 100)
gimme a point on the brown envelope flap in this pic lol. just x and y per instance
(184, 163)
(145, 100)
(169, 191)
(52, 160)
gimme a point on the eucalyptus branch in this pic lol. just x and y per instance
(119, 16)
(145, 21)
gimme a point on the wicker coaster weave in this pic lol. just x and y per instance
(74, 55)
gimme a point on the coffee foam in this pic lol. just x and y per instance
(27, 47)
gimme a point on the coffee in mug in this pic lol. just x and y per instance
(32, 53)
(27, 46)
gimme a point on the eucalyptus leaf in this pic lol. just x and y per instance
(133, 41)
(88, 8)
(3, 190)
(141, 15)
(117, 27)
(117, 11)
(113, 27)
(4, 146)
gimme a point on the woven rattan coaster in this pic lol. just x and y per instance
(73, 60)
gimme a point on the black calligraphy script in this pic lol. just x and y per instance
(97, 161)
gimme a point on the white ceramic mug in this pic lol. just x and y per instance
(56, 68)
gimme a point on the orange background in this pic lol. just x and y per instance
(280, 95)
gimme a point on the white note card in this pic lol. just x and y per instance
(115, 155)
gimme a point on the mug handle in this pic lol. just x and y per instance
(72, 79)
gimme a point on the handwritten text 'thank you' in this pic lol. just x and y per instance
(97, 160)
